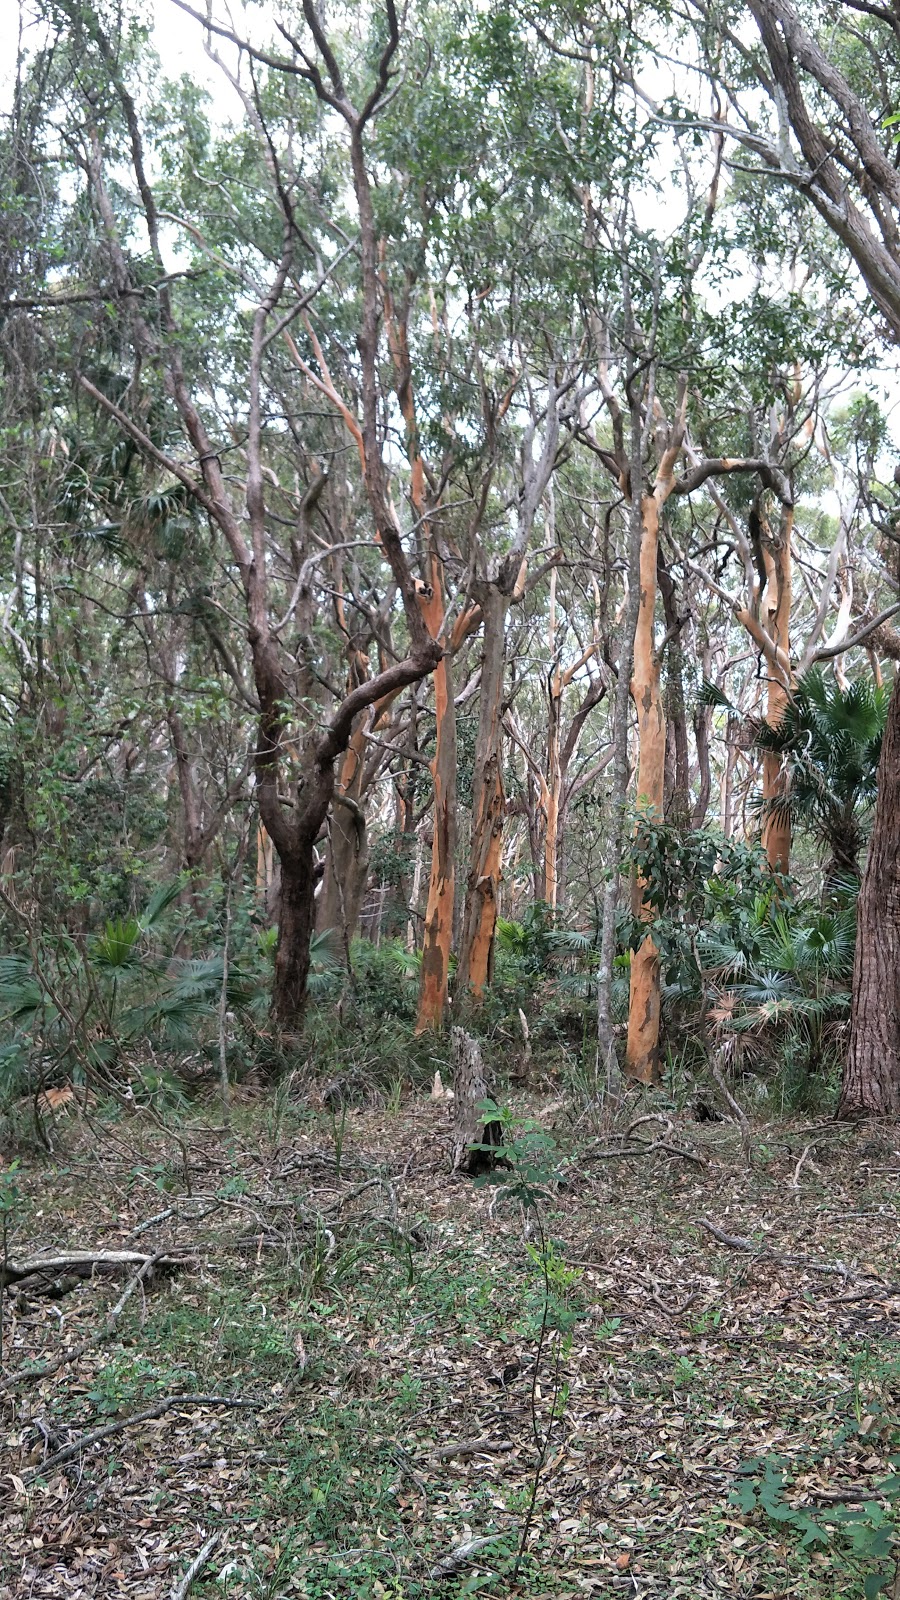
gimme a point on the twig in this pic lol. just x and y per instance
(182, 1588)
(639, 1147)
(736, 1110)
(830, 1269)
(149, 1415)
(471, 1447)
(795, 1181)
(151, 1222)
(458, 1557)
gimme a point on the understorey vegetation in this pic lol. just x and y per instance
(449, 798)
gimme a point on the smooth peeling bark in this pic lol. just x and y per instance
(779, 572)
(488, 808)
(267, 873)
(348, 855)
(871, 1080)
(676, 802)
(554, 788)
(642, 1050)
(438, 937)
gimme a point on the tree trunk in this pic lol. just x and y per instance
(347, 863)
(777, 558)
(871, 1081)
(296, 917)
(470, 1091)
(268, 875)
(438, 938)
(348, 855)
(488, 806)
(642, 1051)
(554, 786)
(676, 801)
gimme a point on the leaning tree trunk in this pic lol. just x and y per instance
(871, 1081)
(642, 1050)
(489, 803)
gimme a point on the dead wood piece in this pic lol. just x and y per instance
(844, 1497)
(44, 1266)
(471, 1447)
(152, 1222)
(183, 1587)
(831, 1269)
(471, 1134)
(459, 1557)
(171, 1403)
(632, 1148)
(731, 1239)
(715, 1072)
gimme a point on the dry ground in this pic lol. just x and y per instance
(379, 1323)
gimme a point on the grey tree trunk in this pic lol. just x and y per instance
(470, 1091)
(871, 1081)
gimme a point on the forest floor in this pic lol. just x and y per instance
(343, 1378)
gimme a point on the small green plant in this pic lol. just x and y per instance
(608, 1327)
(867, 1528)
(685, 1375)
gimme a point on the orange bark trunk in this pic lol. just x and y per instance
(642, 1051)
(265, 870)
(489, 804)
(438, 939)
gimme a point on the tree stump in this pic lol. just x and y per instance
(470, 1090)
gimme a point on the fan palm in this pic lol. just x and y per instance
(829, 739)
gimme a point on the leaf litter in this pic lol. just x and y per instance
(346, 1379)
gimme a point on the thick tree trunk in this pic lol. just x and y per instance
(488, 807)
(642, 1050)
(871, 1082)
(438, 939)
(470, 1090)
(778, 563)
(296, 918)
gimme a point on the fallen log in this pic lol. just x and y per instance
(72, 1260)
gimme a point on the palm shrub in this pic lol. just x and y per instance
(829, 741)
(738, 956)
(91, 1010)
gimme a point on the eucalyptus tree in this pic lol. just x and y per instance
(830, 78)
(251, 472)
